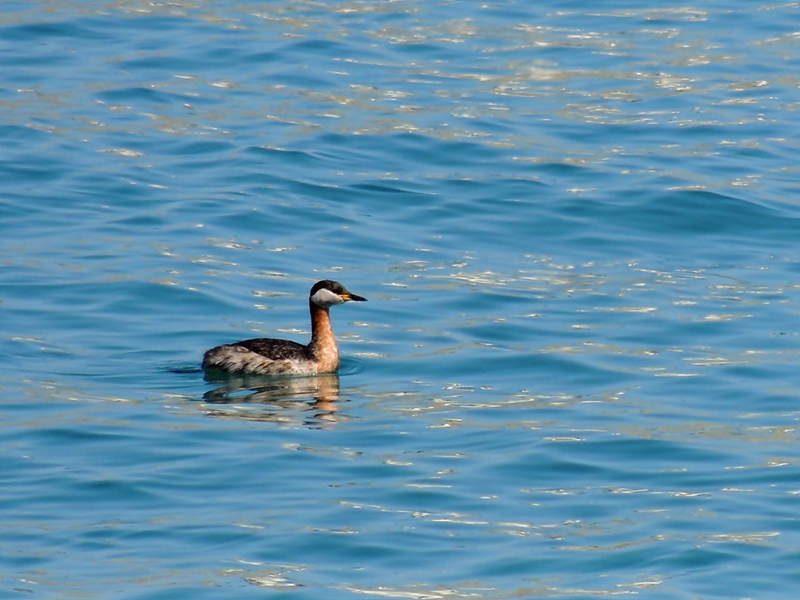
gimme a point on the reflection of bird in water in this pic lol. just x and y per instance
(265, 356)
(281, 399)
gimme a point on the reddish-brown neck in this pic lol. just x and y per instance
(323, 343)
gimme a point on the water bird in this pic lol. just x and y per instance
(266, 356)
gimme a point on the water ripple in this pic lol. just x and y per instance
(577, 230)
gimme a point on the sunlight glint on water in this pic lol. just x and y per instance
(577, 229)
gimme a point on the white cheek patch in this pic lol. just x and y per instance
(326, 298)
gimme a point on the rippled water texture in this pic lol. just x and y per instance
(577, 227)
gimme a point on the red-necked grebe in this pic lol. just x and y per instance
(265, 356)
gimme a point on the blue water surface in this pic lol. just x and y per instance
(578, 228)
